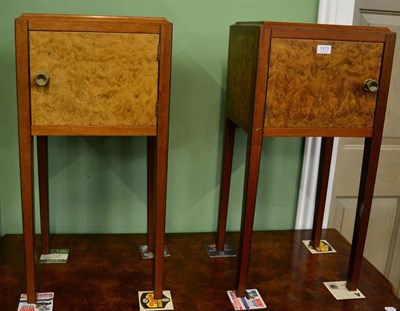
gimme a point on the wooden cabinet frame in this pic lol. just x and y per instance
(157, 135)
(249, 88)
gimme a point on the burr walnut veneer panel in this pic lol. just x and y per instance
(307, 89)
(96, 79)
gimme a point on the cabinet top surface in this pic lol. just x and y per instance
(269, 24)
(73, 17)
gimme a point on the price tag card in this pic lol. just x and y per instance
(149, 255)
(340, 291)
(55, 256)
(147, 301)
(252, 300)
(213, 252)
(44, 302)
(323, 248)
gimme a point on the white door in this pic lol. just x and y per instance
(383, 239)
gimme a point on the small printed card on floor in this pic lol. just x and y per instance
(340, 291)
(55, 256)
(324, 247)
(213, 253)
(44, 302)
(147, 301)
(252, 300)
(149, 255)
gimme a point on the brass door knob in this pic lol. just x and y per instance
(371, 85)
(42, 78)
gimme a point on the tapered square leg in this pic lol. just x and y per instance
(151, 149)
(28, 216)
(25, 156)
(161, 194)
(162, 158)
(229, 140)
(249, 203)
(42, 152)
(322, 187)
(367, 183)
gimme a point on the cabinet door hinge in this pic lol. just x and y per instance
(157, 108)
(158, 52)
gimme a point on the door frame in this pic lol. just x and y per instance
(329, 12)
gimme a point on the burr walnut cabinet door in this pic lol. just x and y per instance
(320, 84)
(94, 79)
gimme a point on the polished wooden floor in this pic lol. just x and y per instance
(105, 272)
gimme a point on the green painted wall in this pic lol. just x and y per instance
(98, 183)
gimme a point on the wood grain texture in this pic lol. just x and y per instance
(104, 272)
(96, 79)
(310, 90)
(242, 71)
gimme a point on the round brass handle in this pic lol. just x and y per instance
(42, 78)
(371, 85)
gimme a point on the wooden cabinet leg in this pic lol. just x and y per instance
(227, 157)
(28, 216)
(43, 192)
(151, 149)
(365, 195)
(322, 186)
(162, 157)
(249, 203)
(25, 155)
(161, 196)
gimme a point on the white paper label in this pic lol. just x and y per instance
(324, 49)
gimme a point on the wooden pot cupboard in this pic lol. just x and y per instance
(303, 80)
(98, 76)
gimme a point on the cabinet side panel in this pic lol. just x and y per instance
(309, 87)
(96, 79)
(242, 73)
